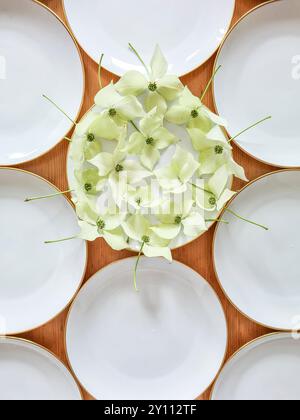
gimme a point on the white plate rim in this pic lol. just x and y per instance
(269, 174)
(134, 258)
(231, 30)
(211, 224)
(21, 162)
(5, 168)
(50, 354)
(182, 75)
(260, 340)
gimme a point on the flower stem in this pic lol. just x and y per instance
(249, 128)
(246, 220)
(100, 71)
(135, 126)
(209, 83)
(61, 110)
(47, 196)
(200, 188)
(139, 57)
(136, 267)
(68, 139)
(218, 220)
(61, 240)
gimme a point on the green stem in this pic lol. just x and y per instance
(246, 220)
(47, 196)
(249, 128)
(61, 110)
(100, 71)
(139, 57)
(136, 267)
(218, 220)
(68, 139)
(200, 188)
(135, 126)
(209, 83)
(61, 240)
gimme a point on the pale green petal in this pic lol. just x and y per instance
(188, 100)
(210, 162)
(218, 135)
(136, 227)
(107, 97)
(88, 176)
(104, 162)
(116, 239)
(163, 138)
(185, 163)
(135, 172)
(178, 114)
(136, 144)
(157, 241)
(77, 150)
(169, 87)
(159, 65)
(237, 170)
(225, 197)
(129, 108)
(194, 225)
(113, 221)
(202, 199)
(132, 83)
(166, 213)
(168, 232)
(216, 119)
(92, 149)
(88, 232)
(218, 181)
(149, 157)
(199, 139)
(150, 251)
(83, 126)
(86, 212)
(155, 100)
(150, 123)
(168, 179)
(105, 127)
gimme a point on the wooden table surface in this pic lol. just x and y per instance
(197, 255)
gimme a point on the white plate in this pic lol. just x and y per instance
(37, 280)
(37, 56)
(188, 34)
(265, 369)
(260, 76)
(258, 270)
(166, 342)
(29, 372)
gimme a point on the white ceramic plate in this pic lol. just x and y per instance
(166, 342)
(37, 280)
(37, 56)
(258, 270)
(188, 34)
(260, 76)
(266, 369)
(29, 372)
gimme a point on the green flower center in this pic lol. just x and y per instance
(119, 168)
(101, 224)
(212, 201)
(145, 239)
(90, 137)
(150, 141)
(178, 220)
(219, 150)
(138, 201)
(112, 112)
(152, 87)
(194, 113)
(88, 187)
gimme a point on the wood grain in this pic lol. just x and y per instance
(197, 255)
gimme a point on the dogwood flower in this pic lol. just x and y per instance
(88, 181)
(107, 226)
(175, 177)
(161, 87)
(149, 140)
(117, 108)
(138, 228)
(191, 112)
(214, 152)
(144, 197)
(172, 222)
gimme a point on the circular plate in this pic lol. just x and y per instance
(266, 369)
(37, 57)
(37, 280)
(264, 284)
(166, 342)
(30, 372)
(109, 26)
(261, 76)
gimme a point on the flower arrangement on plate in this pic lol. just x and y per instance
(150, 167)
